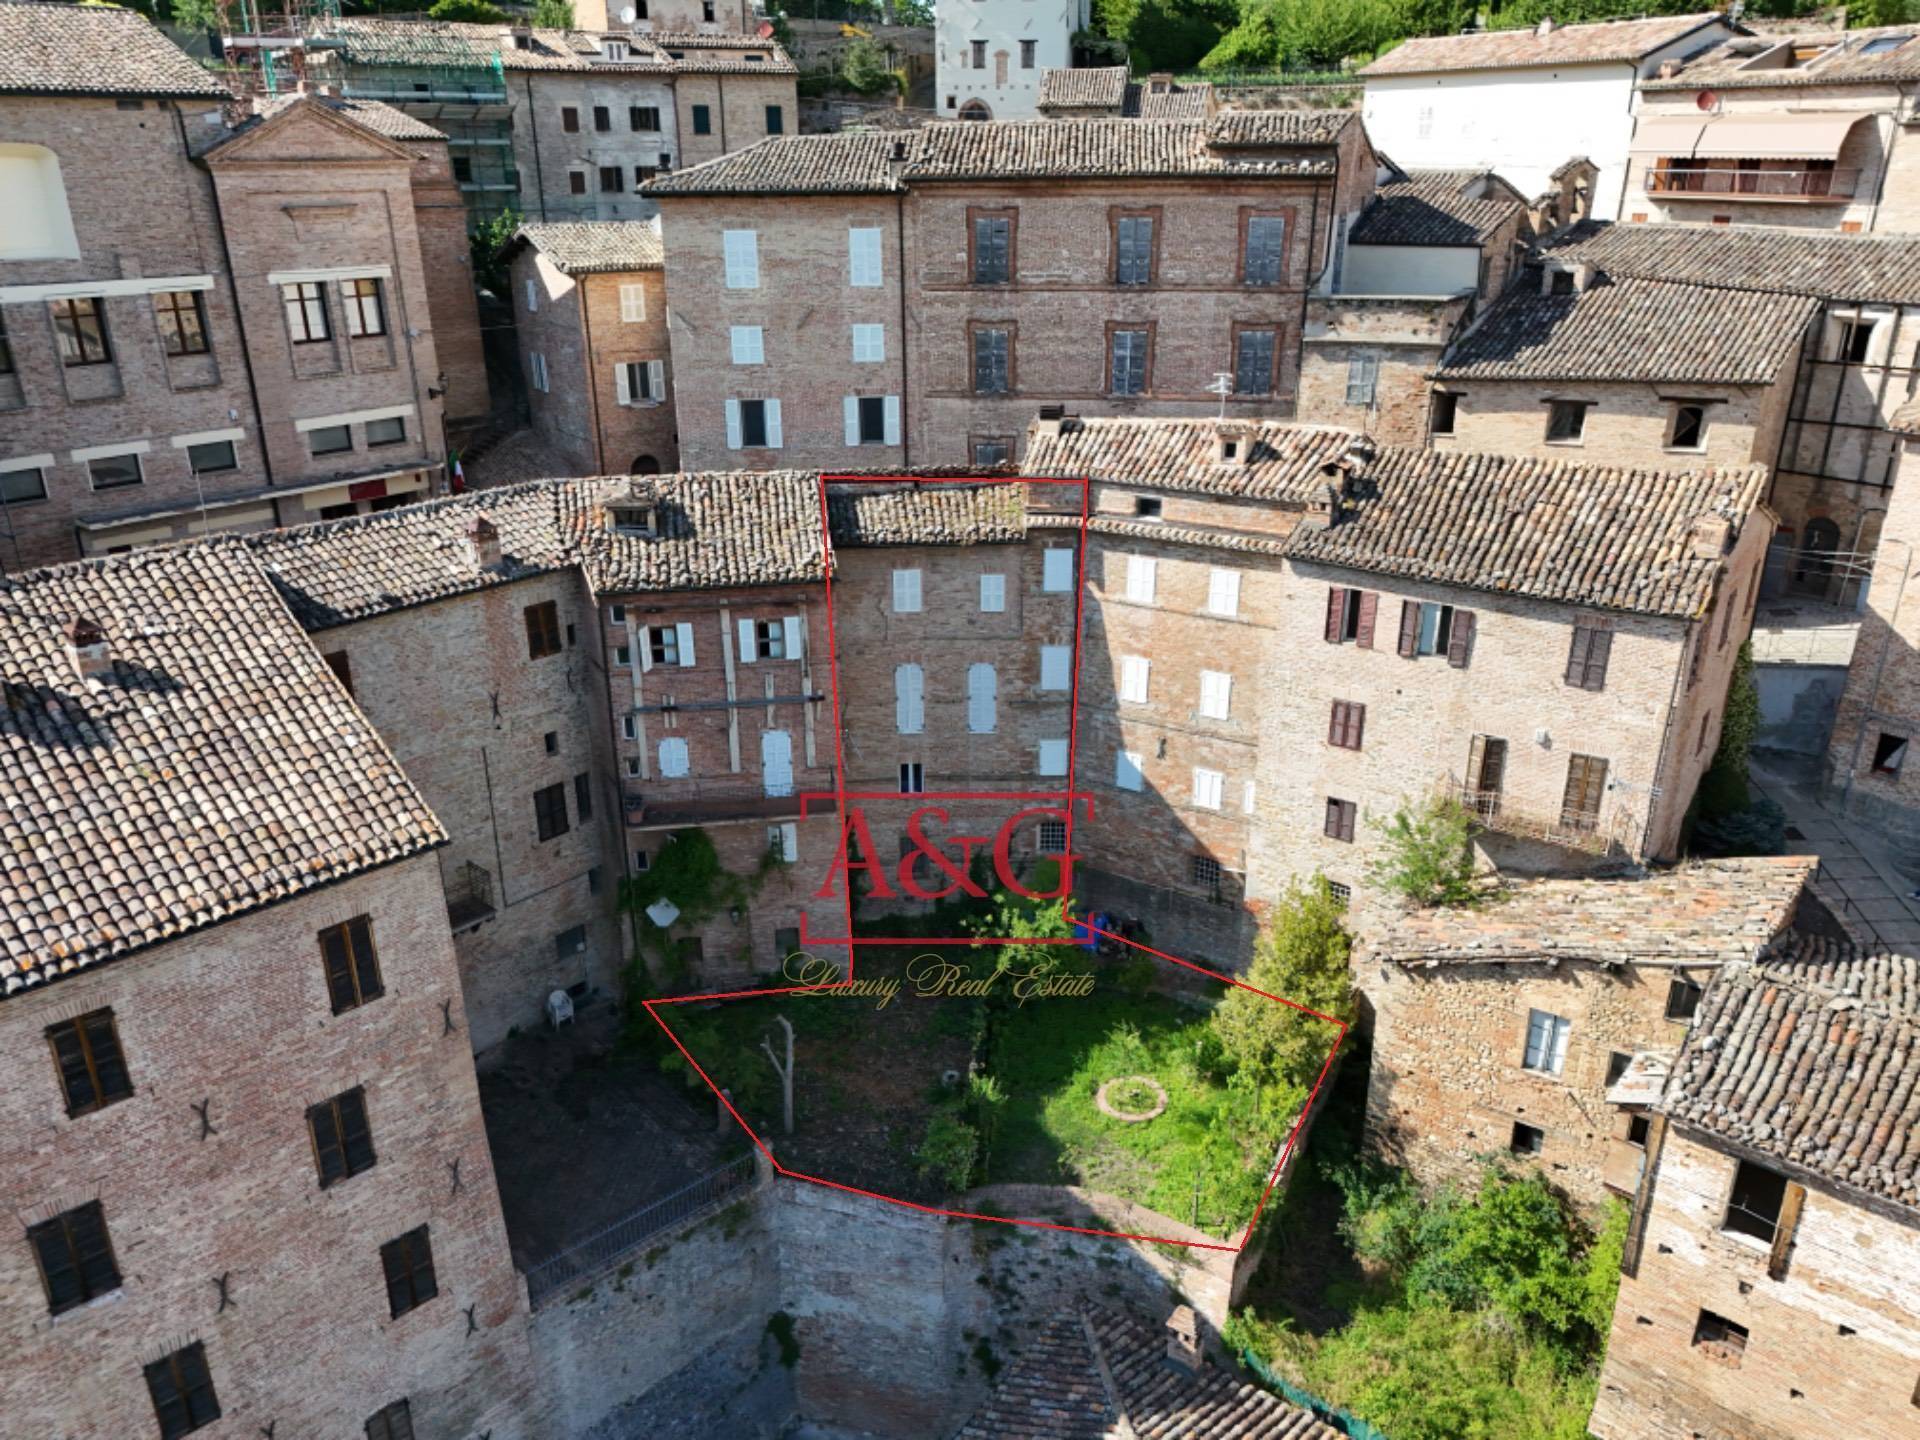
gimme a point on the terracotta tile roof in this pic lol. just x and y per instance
(1614, 538)
(593, 247)
(1713, 912)
(1101, 1375)
(766, 58)
(1261, 129)
(1437, 207)
(382, 119)
(1284, 463)
(372, 40)
(1182, 102)
(1629, 329)
(718, 531)
(1750, 257)
(1608, 40)
(935, 514)
(93, 50)
(1878, 978)
(795, 165)
(1815, 1065)
(1100, 88)
(1164, 534)
(368, 40)
(1725, 66)
(218, 768)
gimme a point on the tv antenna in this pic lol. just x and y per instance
(1223, 387)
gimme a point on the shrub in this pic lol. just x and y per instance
(553, 14)
(865, 70)
(1428, 856)
(948, 1151)
(1302, 956)
(472, 12)
(1723, 789)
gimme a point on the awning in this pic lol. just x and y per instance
(1797, 135)
(1668, 134)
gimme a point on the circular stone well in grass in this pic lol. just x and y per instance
(1131, 1098)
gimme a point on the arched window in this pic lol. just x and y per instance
(975, 110)
(34, 200)
(645, 465)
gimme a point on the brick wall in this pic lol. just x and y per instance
(736, 107)
(1625, 424)
(440, 216)
(237, 1018)
(547, 154)
(639, 436)
(565, 412)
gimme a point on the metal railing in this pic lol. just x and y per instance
(1566, 827)
(1759, 184)
(603, 1250)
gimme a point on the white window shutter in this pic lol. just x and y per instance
(623, 390)
(850, 418)
(1216, 692)
(795, 636)
(909, 700)
(741, 250)
(748, 654)
(1058, 573)
(1056, 667)
(1246, 798)
(982, 688)
(1206, 788)
(1140, 577)
(1134, 671)
(993, 593)
(789, 833)
(673, 759)
(863, 256)
(633, 303)
(892, 409)
(906, 592)
(656, 380)
(1223, 592)
(533, 296)
(774, 438)
(1127, 774)
(683, 642)
(733, 424)
(644, 637)
(1053, 757)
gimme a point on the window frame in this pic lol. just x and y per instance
(86, 338)
(352, 1159)
(976, 331)
(1010, 215)
(1249, 214)
(90, 1284)
(1751, 1222)
(542, 620)
(364, 983)
(175, 320)
(1679, 408)
(1556, 409)
(1347, 725)
(1363, 378)
(637, 119)
(409, 1269)
(233, 457)
(758, 412)
(1119, 217)
(373, 443)
(1449, 402)
(1889, 759)
(364, 300)
(1683, 998)
(314, 444)
(385, 1418)
(1585, 820)
(1239, 332)
(776, 120)
(188, 1375)
(702, 119)
(551, 819)
(1341, 820)
(1589, 652)
(304, 304)
(1115, 329)
(1556, 1038)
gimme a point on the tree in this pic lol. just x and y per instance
(553, 14)
(865, 71)
(1723, 789)
(1164, 34)
(1303, 957)
(784, 1071)
(473, 12)
(1428, 857)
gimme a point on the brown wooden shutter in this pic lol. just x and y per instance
(1409, 628)
(1602, 648)
(1783, 1231)
(1460, 640)
(1332, 826)
(1577, 656)
(1356, 725)
(1337, 724)
(1369, 605)
(1476, 761)
(1643, 1198)
(1336, 611)
(1348, 811)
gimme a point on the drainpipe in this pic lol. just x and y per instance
(533, 129)
(900, 240)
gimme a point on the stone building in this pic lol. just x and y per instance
(590, 318)
(990, 57)
(1768, 1276)
(1156, 256)
(1807, 129)
(1111, 92)
(300, 1231)
(1504, 1031)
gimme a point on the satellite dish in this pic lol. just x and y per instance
(628, 15)
(1706, 100)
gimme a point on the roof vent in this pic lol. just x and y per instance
(87, 643)
(483, 542)
(1712, 534)
(899, 151)
(1545, 27)
(1232, 442)
(1183, 1340)
(1160, 83)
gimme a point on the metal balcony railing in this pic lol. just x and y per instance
(1561, 825)
(667, 804)
(469, 897)
(1683, 181)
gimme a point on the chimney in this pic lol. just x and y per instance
(483, 542)
(1183, 1341)
(1323, 510)
(87, 643)
(1545, 27)
(1669, 69)
(1160, 83)
(1232, 442)
(1712, 534)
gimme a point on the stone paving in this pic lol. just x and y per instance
(1859, 880)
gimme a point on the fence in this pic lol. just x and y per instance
(601, 1251)
(1348, 1425)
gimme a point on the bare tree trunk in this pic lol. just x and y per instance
(785, 1072)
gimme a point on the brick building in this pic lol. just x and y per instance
(590, 317)
(1504, 1030)
(299, 1232)
(1115, 265)
(1768, 1276)
(1111, 92)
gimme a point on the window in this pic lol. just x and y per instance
(1342, 894)
(993, 594)
(76, 1259)
(1128, 770)
(1141, 570)
(6, 349)
(583, 797)
(342, 667)
(776, 120)
(863, 256)
(389, 431)
(1147, 507)
(342, 1139)
(1527, 1139)
(576, 182)
(748, 344)
(783, 841)
(663, 644)
(906, 592)
(570, 942)
(1638, 1128)
(1347, 725)
(767, 640)
(1427, 628)
(28, 482)
(869, 344)
(211, 456)
(1560, 282)
(543, 630)
(1133, 250)
(992, 360)
(1683, 998)
(306, 307)
(80, 327)
(909, 699)
(1264, 246)
(1363, 371)
(1689, 431)
(675, 763)
(1350, 615)
(1027, 48)
(1889, 753)
(1223, 591)
(741, 252)
(1566, 421)
(1546, 1042)
(640, 382)
(979, 49)
(1127, 370)
(533, 296)
(408, 1263)
(1587, 658)
(182, 1392)
(1204, 871)
(108, 472)
(754, 424)
(366, 314)
(1134, 671)
(1341, 815)
(350, 964)
(633, 304)
(602, 120)
(1053, 837)
(992, 249)
(329, 440)
(613, 179)
(550, 811)
(1216, 694)
(1586, 783)
(1053, 757)
(643, 117)
(570, 119)
(1856, 340)
(462, 170)
(1253, 352)
(1056, 569)
(1056, 667)
(866, 420)
(1617, 1063)
(912, 781)
(1719, 1338)
(993, 450)
(702, 120)
(183, 323)
(395, 1422)
(1443, 413)
(1486, 774)
(1208, 788)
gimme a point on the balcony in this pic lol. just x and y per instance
(676, 804)
(1692, 181)
(469, 898)
(1560, 825)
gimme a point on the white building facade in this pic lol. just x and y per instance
(989, 55)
